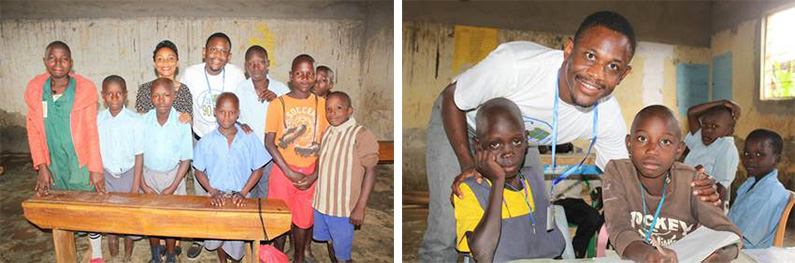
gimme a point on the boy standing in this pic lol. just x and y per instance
(761, 199)
(62, 130)
(504, 218)
(295, 123)
(325, 82)
(228, 163)
(346, 171)
(121, 144)
(167, 154)
(711, 144)
(255, 94)
(651, 181)
(206, 81)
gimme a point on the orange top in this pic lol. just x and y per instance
(298, 125)
(83, 123)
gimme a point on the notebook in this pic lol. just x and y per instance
(699, 244)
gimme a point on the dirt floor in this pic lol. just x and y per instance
(20, 241)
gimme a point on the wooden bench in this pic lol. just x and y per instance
(386, 152)
(156, 215)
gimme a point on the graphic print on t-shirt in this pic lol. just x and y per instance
(207, 105)
(666, 231)
(537, 132)
(300, 132)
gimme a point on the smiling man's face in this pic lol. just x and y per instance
(594, 65)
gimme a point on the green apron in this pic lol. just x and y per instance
(66, 172)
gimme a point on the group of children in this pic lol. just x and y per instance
(648, 199)
(306, 130)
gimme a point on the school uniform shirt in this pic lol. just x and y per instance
(517, 238)
(228, 167)
(205, 89)
(299, 125)
(347, 151)
(527, 74)
(183, 100)
(720, 159)
(756, 211)
(681, 213)
(252, 111)
(120, 139)
(168, 144)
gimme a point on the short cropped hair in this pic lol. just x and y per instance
(115, 79)
(301, 58)
(257, 48)
(327, 70)
(218, 34)
(344, 96)
(57, 43)
(775, 139)
(611, 20)
(166, 44)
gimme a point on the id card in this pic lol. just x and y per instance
(44, 108)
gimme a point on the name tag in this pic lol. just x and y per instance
(44, 108)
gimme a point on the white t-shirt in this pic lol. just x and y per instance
(720, 159)
(527, 74)
(252, 111)
(204, 95)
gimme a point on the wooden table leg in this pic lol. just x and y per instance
(255, 251)
(64, 242)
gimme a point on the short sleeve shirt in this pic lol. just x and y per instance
(120, 139)
(527, 74)
(299, 125)
(205, 89)
(228, 167)
(252, 111)
(720, 159)
(166, 145)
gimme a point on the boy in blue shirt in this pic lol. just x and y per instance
(167, 154)
(711, 144)
(228, 164)
(121, 147)
(761, 199)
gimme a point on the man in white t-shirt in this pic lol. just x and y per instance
(255, 95)
(206, 81)
(536, 78)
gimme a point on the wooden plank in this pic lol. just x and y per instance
(64, 242)
(162, 215)
(386, 151)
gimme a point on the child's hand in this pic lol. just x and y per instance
(169, 190)
(486, 164)
(266, 95)
(217, 198)
(293, 175)
(357, 216)
(734, 107)
(666, 256)
(185, 118)
(246, 129)
(238, 199)
(147, 189)
(44, 181)
(306, 182)
(704, 187)
(97, 180)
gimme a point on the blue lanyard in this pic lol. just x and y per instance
(210, 88)
(526, 200)
(647, 238)
(571, 170)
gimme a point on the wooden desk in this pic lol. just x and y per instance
(386, 152)
(158, 215)
(568, 159)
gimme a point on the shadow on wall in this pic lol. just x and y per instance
(13, 136)
(414, 177)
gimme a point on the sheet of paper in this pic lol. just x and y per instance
(701, 243)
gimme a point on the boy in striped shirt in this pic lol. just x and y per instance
(345, 178)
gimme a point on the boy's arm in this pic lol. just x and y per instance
(357, 215)
(182, 170)
(693, 123)
(455, 126)
(270, 145)
(253, 179)
(483, 240)
(366, 149)
(714, 218)
(216, 197)
(138, 171)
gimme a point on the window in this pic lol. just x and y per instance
(778, 56)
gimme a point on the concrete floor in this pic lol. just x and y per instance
(415, 216)
(21, 241)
